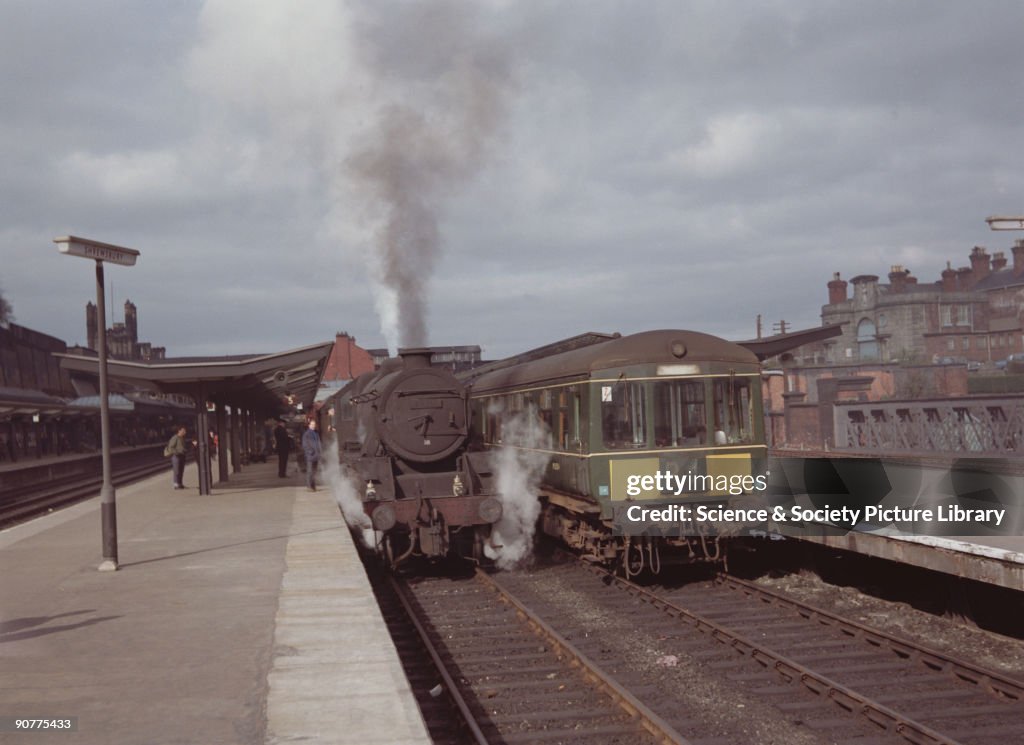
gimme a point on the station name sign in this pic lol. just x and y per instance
(88, 249)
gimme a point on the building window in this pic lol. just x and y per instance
(965, 343)
(946, 315)
(882, 321)
(867, 340)
(981, 342)
(951, 344)
(963, 315)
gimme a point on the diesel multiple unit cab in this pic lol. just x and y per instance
(618, 413)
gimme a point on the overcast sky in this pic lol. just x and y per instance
(547, 168)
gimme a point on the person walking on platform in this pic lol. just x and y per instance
(283, 445)
(311, 449)
(177, 449)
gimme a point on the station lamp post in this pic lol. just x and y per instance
(101, 252)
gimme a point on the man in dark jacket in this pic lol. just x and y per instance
(283, 444)
(311, 449)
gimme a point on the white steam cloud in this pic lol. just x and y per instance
(519, 468)
(346, 494)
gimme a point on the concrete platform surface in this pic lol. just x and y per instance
(213, 596)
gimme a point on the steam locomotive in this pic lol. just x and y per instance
(404, 436)
(611, 410)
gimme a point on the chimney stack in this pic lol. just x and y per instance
(1018, 258)
(837, 290)
(998, 261)
(948, 279)
(979, 264)
(897, 278)
(963, 278)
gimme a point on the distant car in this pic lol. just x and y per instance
(973, 366)
(1014, 362)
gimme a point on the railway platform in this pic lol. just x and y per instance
(243, 617)
(993, 560)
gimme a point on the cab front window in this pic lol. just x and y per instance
(679, 414)
(733, 407)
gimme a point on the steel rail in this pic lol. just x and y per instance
(35, 501)
(401, 593)
(819, 684)
(655, 725)
(996, 683)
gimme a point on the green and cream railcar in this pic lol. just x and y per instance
(675, 402)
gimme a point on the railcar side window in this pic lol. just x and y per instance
(562, 431)
(733, 422)
(623, 415)
(574, 432)
(544, 407)
(679, 414)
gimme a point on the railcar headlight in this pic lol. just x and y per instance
(458, 488)
(383, 517)
(371, 492)
(490, 510)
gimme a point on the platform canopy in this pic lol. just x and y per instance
(261, 382)
(770, 346)
(26, 401)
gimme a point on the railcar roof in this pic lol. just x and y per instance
(648, 347)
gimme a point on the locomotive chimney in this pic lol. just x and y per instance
(415, 357)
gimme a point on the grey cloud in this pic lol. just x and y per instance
(658, 164)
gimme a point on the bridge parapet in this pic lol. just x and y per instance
(974, 425)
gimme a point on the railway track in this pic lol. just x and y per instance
(28, 501)
(823, 678)
(505, 675)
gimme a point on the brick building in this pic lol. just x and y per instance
(123, 338)
(347, 360)
(974, 314)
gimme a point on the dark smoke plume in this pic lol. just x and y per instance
(452, 82)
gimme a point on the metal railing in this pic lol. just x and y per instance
(976, 425)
